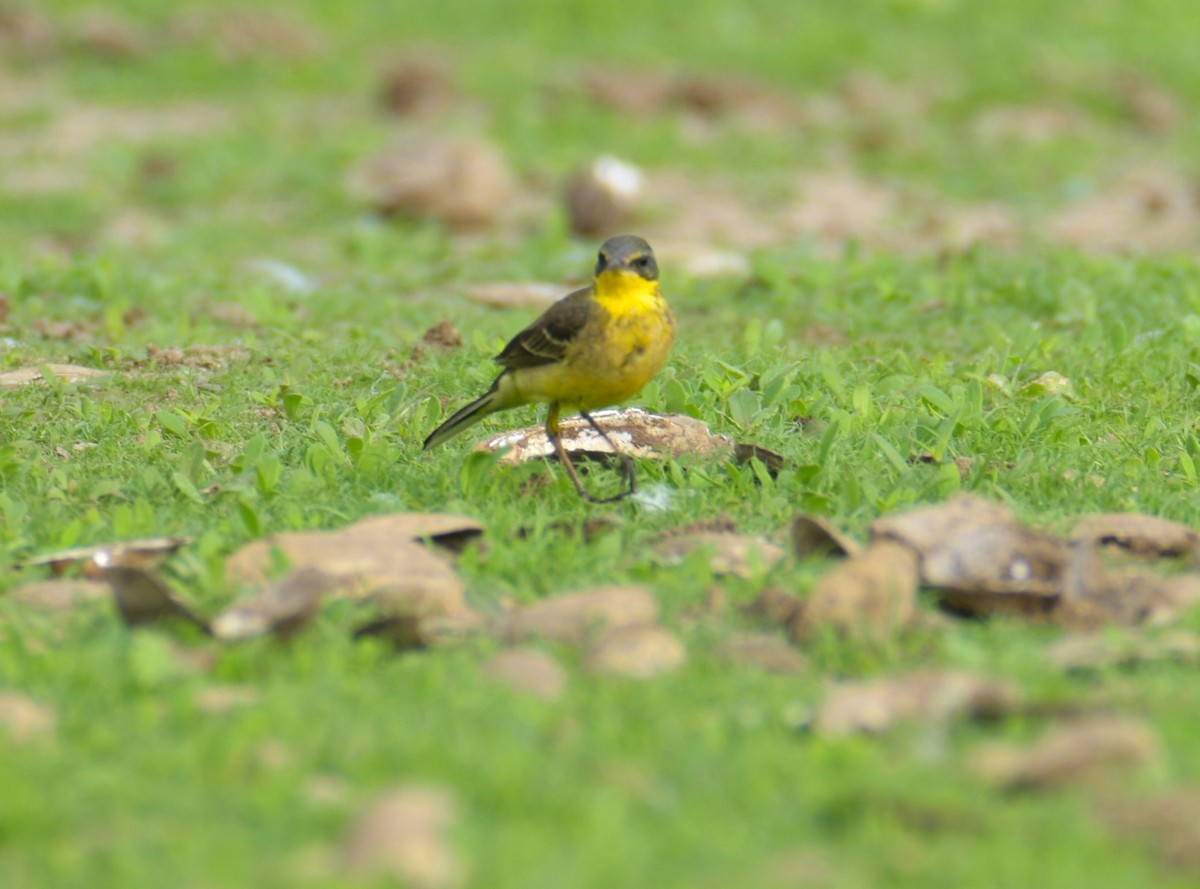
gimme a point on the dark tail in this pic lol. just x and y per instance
(467, 416)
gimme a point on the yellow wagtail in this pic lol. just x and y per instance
(595, 347)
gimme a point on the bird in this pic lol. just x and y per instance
(593, 348)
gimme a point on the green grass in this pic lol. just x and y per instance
(313, 414)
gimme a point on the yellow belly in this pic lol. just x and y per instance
(608, 363)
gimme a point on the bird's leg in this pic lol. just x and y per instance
(553, 428)
(628, 469)
(552, 432)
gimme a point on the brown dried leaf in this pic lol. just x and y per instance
(142, 598)
(869, 596)
(572, 617)
(922, 696)
(24, 719)
(465, 183)
(816, 536)
(775, 607)
(638, 651)
(65, 373)
(421, 83)
(443, 335)
(636, 432)
(765, 651)
(926, 528)
(1082, 752)
(741, 555)
(1141, 535)
(529, 671)
(58, 595)
(507, 295)
(147, 553)
(979, 557)
(372, 555)
(283, 608)
(1088, 652)
(404, 835)
(1092, 595)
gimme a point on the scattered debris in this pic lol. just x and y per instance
(443, 335)
(465, 183)
(1092, 595)
(58, 595)
(637, 651)
(764, 651)
(223, 698)
(741, 555)
(574, 616)
(372, 555)
(418, 84)
(63, 373)
(1169, 823)
(924, 696)
(601, 196)
(1087, 652)
(144, 599)
(637, 432)
(530, 671)
(817, 536)
(1082, 752)
(403, 835)
(283, 608)
(24, 719)
(871, 595)
(145, 553)
(1145, 536)
(515, 295)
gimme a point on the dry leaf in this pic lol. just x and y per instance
(638, 651)
(443, 335)
(1092, 595)
(1073, 754)
(371, 555)
(422, 83)
(146, 553)
(979, 557)
(24, 719)
(1087, 652)
(465, 183)
(283, 608)
(926, 528)
(871, 595)
(58, 595)
(738, 554)
(530, 671)
(637, 433)
(572, 617)
(924, 696)
(144, 599)
(64, 373)
(765, 651)
(817, 536)
(1145, 536)
(403, 835)
(506, 295)
(775, 607)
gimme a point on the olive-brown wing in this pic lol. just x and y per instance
(545, 341)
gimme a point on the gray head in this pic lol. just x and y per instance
(628, 253)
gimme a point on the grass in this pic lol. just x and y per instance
(310, 409)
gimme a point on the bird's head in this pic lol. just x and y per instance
(627, 254)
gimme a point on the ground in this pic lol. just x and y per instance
(915, 248)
